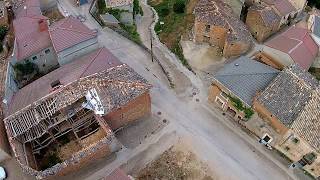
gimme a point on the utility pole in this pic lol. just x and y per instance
(151, 46)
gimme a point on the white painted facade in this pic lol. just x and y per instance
(77, 51)
(278, 56)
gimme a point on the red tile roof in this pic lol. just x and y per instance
(284, 7)
(298, 44)
(89, 64)
(117, 174)
(29, 39)
(69, 32)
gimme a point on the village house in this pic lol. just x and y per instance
(65, 120)
(216, 24)
(290, 105)
(72, 39)
(262, 21)
(295, 45)
(4, 19)
(284, 9)
(240, 80)
(32, 40)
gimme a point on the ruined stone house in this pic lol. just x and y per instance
(290, 105)
(65, 120)
(216, 24)
(262, 21)
(241, 79)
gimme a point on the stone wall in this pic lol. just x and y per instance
(134, 110)
(269, 118)
(258, 29)
(218, 36)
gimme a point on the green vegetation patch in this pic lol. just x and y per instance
(175, 20)
(237, 103)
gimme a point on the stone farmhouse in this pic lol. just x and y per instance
(295, 45)
(290, 105)
(216, 24)
(262, 21)
(75, 108)
(241, 79)
(266, 17)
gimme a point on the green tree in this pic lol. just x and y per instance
(179, 6)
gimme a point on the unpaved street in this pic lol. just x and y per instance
(228, 151)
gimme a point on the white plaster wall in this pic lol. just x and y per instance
(77, 51)
(278, 56)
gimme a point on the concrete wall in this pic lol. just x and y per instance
(263, 58)
(45, 61)
(137, 108)
(277, 56)
(77, 51)
(11, 86)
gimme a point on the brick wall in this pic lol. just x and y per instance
(269, 117)
(232, 49)
(134, 110)
(217, 35)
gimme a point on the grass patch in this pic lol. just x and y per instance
(237, 103)
(132, 32)
(175, 20)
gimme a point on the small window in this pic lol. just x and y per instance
(207, 28)
(47, 51)
(295, 140)
(34, 58)
(287, 148)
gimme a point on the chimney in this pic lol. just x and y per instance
(43, 26)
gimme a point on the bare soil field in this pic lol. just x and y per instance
(174, 164)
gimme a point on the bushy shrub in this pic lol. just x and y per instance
(3, 32)
(164, 11)
(179, 6)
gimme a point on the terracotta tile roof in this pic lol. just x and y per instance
(218, 13)
(288, 94)
(117, 174)
(284, 7)
(94, 62)
(298, 44)
(69, 32)
(29, 39)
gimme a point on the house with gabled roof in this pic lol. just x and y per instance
(32, 39)
(216, 24)
(78, 105)
(290, 105)
(71, 39)
(240, 80)
(294, 45)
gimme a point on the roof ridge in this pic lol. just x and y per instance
(93, 59)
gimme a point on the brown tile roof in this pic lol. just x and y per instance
(284, 7)
(288, 94)
(29, 38)
(218, 13)
(69, 32)
(269, 16)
